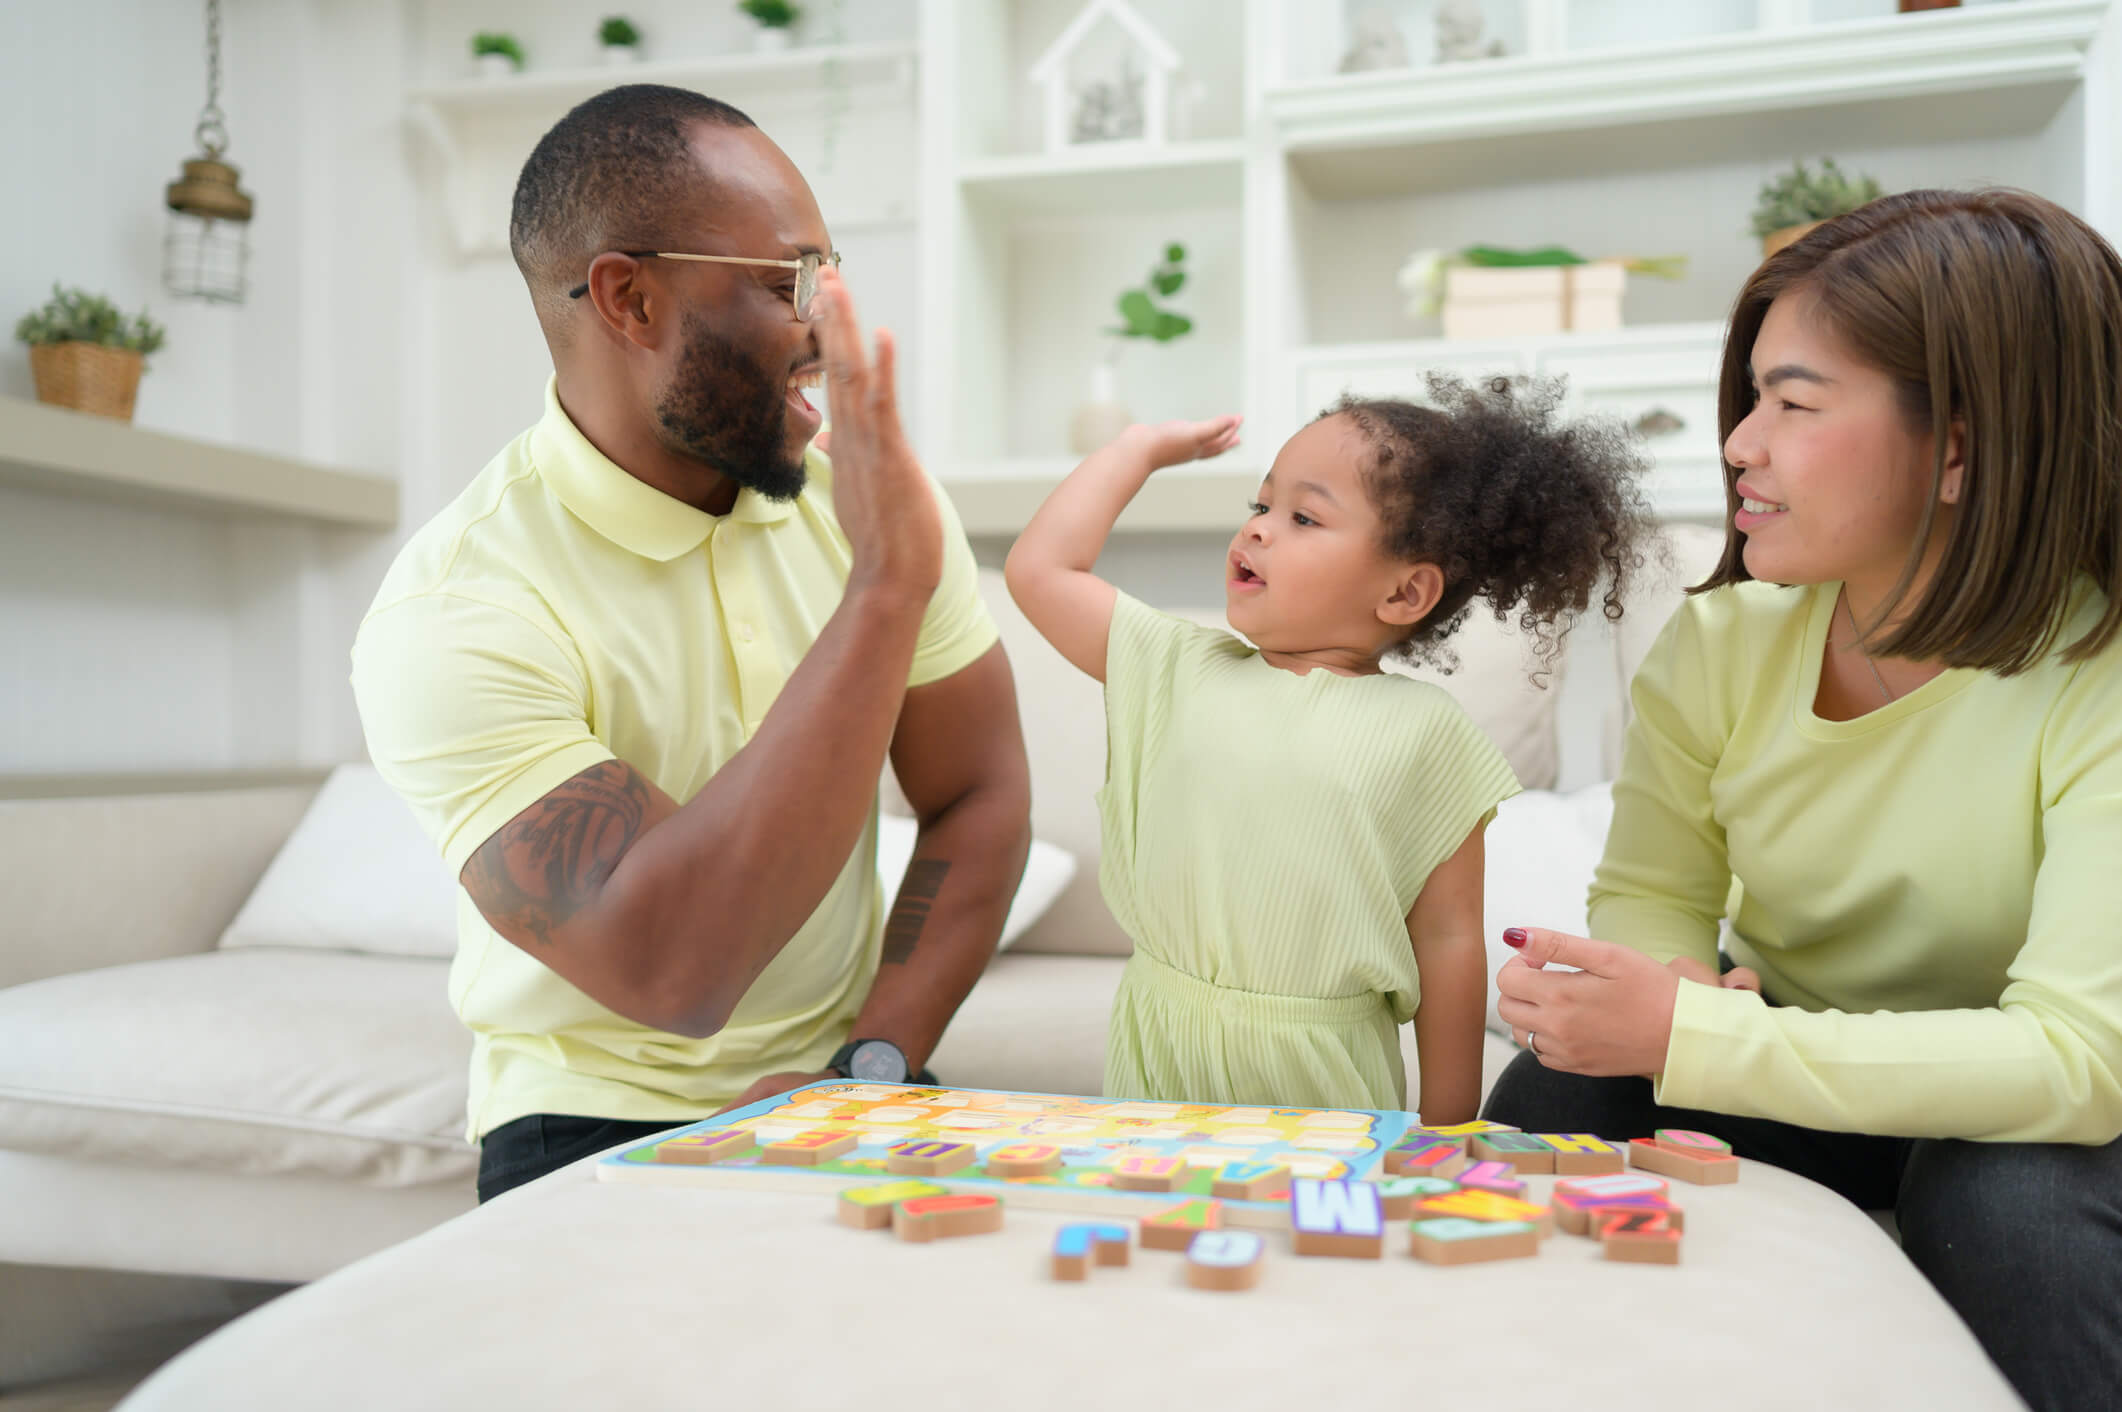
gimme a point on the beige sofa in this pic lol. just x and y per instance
(186, 1097)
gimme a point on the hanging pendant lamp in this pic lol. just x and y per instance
(207, 246)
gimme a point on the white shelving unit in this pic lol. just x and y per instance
(1301, 206)
(480, 130)
(1612, 126)
(63, 452)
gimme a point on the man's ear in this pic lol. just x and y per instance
(1953, 479)
(1420, 586)
(622, 301)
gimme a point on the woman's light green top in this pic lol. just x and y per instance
(1265, 835)
(1932, 892)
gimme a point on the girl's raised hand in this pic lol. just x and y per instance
(1174, 443)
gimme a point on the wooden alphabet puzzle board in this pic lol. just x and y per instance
(1099, 1141)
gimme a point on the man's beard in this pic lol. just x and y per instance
(727, 412)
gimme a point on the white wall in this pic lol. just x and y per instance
(133, 639)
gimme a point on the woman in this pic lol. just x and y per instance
(1894, 716)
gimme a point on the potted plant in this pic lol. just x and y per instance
(1103, 416)
(86, 355)
(775, 19)
(1793, 203)
(498, 55)
(621, 41)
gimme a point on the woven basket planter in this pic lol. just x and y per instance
(86, 377)
(1776, 240)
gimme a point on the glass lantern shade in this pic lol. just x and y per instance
(207, 246)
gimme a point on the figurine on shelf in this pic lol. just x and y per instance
(1109, 111)
(1459, 27)
(1375, 42)
(1107, 78)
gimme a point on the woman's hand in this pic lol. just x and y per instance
(1612, 1015)
(1174, 443)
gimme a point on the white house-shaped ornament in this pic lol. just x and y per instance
(1103, 47)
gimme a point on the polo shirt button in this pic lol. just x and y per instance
(744, 632)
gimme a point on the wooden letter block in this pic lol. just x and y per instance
(1175, 1229)
(1486, 1206)
(1645, 1237)
(1336, 1218)
(1137, 1172)
(1249, 1181)
(1460, 1132)
(1457, 1240)
(1707, 1169)
(1579, 1201)
(938, 1217)
(1498, 1177)
(1523, 1151)
(808, 1149)
(1024, 1159)
(1080, 1244)
(1583, 1155)
(700, 1148)
(1425, 1157)
(869, 1208)
(1225, 1260)
(928, 1159)
(1398, 1195)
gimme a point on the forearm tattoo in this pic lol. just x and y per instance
(548, 863)
(917, 895)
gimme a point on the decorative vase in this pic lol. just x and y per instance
(1102, 416)
(770, 39)
(1776, 239)
(496, 66)
(86, 377)
(620, 55)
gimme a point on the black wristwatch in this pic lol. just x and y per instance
(876, 1061)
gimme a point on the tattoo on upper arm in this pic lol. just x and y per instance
(548, 863)
(917, 895)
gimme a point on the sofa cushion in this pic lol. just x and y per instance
(258, 1061)
(356, 874)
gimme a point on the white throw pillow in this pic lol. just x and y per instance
(1541, 852)
(357, 874)
(1046, 872)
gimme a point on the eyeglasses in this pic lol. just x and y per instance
(806, 270)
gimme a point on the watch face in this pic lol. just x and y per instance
(877, 1061)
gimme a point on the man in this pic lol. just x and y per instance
(639, 680)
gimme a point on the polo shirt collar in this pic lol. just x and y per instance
(624, 509)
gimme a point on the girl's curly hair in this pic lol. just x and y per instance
(1529, 515)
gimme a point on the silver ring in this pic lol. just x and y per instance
(1532, 1042)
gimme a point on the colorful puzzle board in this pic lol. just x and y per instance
(1092, 1133)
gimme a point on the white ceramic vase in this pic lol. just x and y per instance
(620, 55)
(770, 39)
(496, 66)
(1102, 416)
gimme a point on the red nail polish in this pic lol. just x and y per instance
(1515, 936)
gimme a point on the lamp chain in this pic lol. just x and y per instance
(212, 132)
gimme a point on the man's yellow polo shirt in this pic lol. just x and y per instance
(561, 613)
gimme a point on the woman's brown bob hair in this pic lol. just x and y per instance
(2003, 312)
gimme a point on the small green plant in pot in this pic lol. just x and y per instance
(775, 19)
(620, 40)
(1793, 203)
(497, 55)
(86, 355)
(1103, 416)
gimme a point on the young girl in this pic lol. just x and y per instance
(1291, 836)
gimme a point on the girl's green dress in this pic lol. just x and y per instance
(1264, 836)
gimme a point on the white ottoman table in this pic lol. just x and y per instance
(570, 1293)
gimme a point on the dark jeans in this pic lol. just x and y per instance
(528, 1148)
(2024, 1240)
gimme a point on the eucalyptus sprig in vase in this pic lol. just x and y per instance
(1103, 416)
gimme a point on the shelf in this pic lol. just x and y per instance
(482, 129)
(998, 497)
(1963, 73)
(790, 70)
(64, 452)
(1109, 178)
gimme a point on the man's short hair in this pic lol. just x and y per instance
(606, 178)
